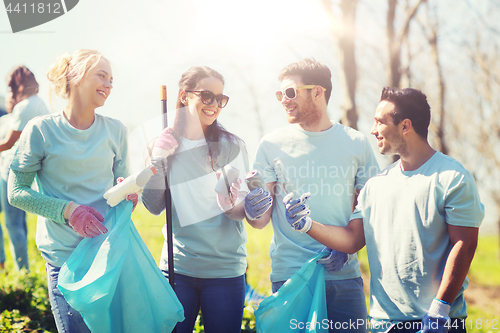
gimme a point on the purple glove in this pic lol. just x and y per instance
(85, 220)
(134, 197)
(297, 212)
(164, 146)
(227, 202)
(257, 202)
(335, 260)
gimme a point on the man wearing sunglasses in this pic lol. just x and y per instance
(328, 162)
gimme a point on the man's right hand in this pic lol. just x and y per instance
(297, 212)
(257, 202)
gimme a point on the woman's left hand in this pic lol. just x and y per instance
(227, 202)
(134, 197)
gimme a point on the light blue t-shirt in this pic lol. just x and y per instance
(207, 244)
(23, 112)
(405, 216)
(74, 165)
(330, 165)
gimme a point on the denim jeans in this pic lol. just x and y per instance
(221, 302)
(67, 319)
(346, 305)
(15, 221)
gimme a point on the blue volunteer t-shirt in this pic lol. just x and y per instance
(206, 243)
(330, 165)
(405, 217)
(23, 112)
(74, 165)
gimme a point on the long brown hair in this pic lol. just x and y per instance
(21, 75)
(214, 132)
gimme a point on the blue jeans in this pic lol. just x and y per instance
(68, 320)
(221, 302)
(346, 305)
(15, 221)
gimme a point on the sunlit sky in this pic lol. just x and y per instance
(152, 42)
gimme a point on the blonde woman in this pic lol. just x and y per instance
(76, 155)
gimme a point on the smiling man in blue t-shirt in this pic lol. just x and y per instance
(323, 159)
(419, 219)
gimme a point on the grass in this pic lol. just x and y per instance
(485, 268)
(24, 305)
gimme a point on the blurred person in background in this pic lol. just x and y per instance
(24, 104)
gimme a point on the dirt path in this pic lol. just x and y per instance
(487, 298)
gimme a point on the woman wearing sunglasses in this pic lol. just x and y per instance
(208, 233)
(76, 155)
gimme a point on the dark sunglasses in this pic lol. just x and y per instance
(208, 97)
(291, 92)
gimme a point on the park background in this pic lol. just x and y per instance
(449, 49)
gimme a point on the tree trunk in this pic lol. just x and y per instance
(346, 37)
(396, 39)
(433, 38)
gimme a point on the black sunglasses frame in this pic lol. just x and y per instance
(221, 99)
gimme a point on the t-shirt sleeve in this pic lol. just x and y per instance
(17, 123)
(30, 152)
(463, 206)
(21, 114)
(121, 166)
(368, 166)
(358, 210)
(241, 163)
(264, 165)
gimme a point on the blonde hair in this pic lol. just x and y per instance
(69, 70)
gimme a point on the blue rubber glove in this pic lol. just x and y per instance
(437, 319)
(297, 212)
(335, 261)
(257, 202)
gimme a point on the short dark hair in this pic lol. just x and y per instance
(311, 72)
(409, 104)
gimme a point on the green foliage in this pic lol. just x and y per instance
(24, 303)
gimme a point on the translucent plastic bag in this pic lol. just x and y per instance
(113, 281)
(299, 305)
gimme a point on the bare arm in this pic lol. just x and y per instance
(264, 220)
(9, 140)
(349, 239)
(237, 212)
(464, 240)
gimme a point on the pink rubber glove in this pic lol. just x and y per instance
(226, 203)
(85, 220)
(164, 146)
(134, 197)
